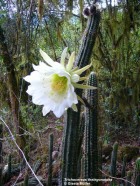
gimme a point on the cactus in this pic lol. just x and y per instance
(82, 167)
(80, 141)
(7, 172)
(26, 180)
(137, 172)
(128, 178)
(70, 154)
(1, 136)
(50, 160)
(113, 162)
(91, 131)
(123, 173)
(36, 166)
(9, 167)
(100, 160)
(124, 167)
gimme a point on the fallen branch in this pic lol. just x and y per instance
(122, 179)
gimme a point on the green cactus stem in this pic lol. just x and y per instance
(123, 173)
(128, 178)
(50, 160)
(9, 167)
(26, 180)
(137, 172)
(71, 153)
(114, 162)
(80, 141)
(91, 131)
(1, 136)
(100, 144)
(124, 167)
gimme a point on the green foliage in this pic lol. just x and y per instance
(116, 59)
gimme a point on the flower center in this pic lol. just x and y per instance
(59, 84)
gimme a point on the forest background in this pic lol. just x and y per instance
(27, 26)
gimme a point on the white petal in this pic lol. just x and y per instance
(45, 110)
(63, 102)
(33, 77)
(59, 111)
(70, 62)
(66, 103)
(46, 58)
(72, 99)
(43, 68)
(63, 56)
(38, 99)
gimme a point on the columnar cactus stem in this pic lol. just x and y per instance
(91, 131)
(80, 141)
(9, 167)
(129, 175)
(124, 168)
(50, 160)
(26, 180)
(71, 152)
(113, 161)
(1, 136)
(137, 172)
(100, 160)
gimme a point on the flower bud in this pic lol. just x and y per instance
(92, 9)
(86, 12)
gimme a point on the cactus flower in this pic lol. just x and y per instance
(53, 84)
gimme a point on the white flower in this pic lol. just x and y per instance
(52, 84)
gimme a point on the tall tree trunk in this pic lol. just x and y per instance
(12, 87)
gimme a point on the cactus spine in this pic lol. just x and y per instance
(50, 160)
(91, 131)
(70, 155)
(114, 161)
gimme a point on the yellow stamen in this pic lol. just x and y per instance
(59, 84)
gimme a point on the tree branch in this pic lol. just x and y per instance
(14, 140)
(122, 179)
